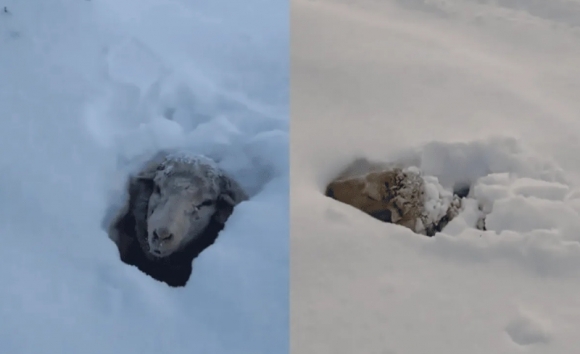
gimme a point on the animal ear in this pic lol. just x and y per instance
(232, 191)
(224, 208)
(150, 169)
(231, 194)
(142, 180)
(145, 175)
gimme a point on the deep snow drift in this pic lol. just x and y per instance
(482, 93)
(85, 87)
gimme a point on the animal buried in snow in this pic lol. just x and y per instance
(174, 208)
(395, 196)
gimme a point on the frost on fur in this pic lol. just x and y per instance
(173, 207)
(399, 196)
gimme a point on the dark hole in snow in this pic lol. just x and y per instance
(461, 190)
(441, 224)
(174, 270)
(329, 192)
(383, 215)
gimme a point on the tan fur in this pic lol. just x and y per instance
(395, 192)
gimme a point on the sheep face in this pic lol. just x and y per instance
(184, 196)
(179, 209)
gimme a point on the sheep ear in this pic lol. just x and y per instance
(150, 169)
(224, 210)
(144, 181)
(143, 176)
(231, 195)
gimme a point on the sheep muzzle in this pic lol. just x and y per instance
(171, 224)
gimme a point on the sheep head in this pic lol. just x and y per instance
(391, 196)
(185, 196)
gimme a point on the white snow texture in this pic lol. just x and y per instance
(86, 87)
(479, 93)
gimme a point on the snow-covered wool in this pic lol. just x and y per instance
(399, 196)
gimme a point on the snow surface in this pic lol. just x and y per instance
(475, 92)
(85, 88)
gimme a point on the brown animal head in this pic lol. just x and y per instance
(394, 196)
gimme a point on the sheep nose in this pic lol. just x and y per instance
(162, 234)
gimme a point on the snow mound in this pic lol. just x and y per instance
(503, 186)
(439, 206)
(528, 329)
(500, 180)
(519, 207)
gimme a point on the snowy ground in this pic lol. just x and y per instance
(477, 92)
(84, 87)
